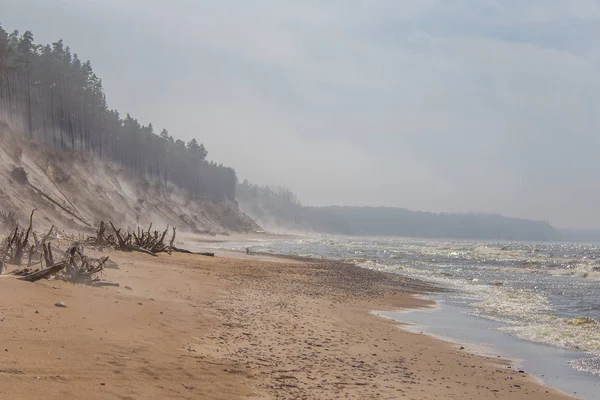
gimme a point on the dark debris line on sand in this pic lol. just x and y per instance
(348, 276)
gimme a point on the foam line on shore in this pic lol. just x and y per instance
(549, 365)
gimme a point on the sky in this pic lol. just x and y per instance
(437, 105)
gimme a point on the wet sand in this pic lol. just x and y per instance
(192, 327)
(455, 324)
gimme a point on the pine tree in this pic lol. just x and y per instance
(56, 98)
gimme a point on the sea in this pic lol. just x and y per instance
(546, 295)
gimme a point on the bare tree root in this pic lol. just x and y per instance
(24, 245)
(144, 241)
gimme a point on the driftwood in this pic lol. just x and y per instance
(79, 267)
(142, 250)
(145, 241)
(101, 240)
(76, 267)
(24, 245)
(17, 244)
(178, 250)
(153, 242)
(104, 283)
(123, 243)
(53, 270)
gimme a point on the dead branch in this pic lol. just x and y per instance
(172, 239)
(17, 244)
(30, 225)
(48, 256)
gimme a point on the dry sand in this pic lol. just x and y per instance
(191, 327)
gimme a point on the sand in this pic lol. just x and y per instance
(191, 327)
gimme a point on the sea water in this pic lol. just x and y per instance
(547, 293)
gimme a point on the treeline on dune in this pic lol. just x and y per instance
(279, 208)
(52, 96)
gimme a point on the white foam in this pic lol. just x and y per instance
(589, 271)
(589, 365)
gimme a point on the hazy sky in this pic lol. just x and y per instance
(448, 105)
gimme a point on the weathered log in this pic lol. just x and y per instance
(36, 276)
(142, 250)
(179, 250)
(103, 283)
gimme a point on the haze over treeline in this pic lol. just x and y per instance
(52, 96)
(278, 208)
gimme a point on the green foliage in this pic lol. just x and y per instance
(56, 98)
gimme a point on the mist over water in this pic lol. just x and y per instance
(542, 292)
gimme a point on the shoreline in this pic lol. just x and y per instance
(186, 326)
(547, 364)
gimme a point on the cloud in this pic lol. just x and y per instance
(470, 105)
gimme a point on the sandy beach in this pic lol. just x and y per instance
(193, 327)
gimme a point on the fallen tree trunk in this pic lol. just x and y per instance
(36, 276)
(104, 283)
(142, 250)
(178, 250)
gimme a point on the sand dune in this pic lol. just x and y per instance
(75, 190)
